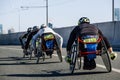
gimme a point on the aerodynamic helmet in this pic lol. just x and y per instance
(83, 20)
(35, 28)
(29, 29)
(43, 26)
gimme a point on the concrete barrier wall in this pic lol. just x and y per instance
(110, 30)
(107, 29)
(10, 39)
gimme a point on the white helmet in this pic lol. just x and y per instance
(43, 26)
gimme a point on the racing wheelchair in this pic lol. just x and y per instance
(47, 44)
(87, 46)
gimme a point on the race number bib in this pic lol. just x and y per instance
(49, 36)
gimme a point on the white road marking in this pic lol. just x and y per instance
(113, 69)
(99, 65)
(10, 48)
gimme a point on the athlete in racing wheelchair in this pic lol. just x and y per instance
(89, 43)
(48, 42)
(23, 40)
(24, 36)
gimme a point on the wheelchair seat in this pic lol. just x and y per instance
(88, 45)
(47, 44)
(48, 41)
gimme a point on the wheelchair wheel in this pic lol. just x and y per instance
(106, 58)
(38, 58)
(79, 62)
(59, 54)
(40, 54)
(30, 54)
(73, 58)
(24, 55)
(79, 57)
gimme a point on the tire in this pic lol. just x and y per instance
(40, 55)
(38, 58)
(30, 52)
(73, 59)
(79, 56)
(79, 62)
(39, 52)
(23, 54)
(59, 55)
(106, 58)
(43, 56)
(30, 55)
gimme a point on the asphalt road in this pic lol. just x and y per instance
(14, 67)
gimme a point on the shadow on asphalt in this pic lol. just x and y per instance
(17, 58)
(55, 74)
(14, 58)
(22, 61)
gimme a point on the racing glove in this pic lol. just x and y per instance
(113, 55)
(68, 57)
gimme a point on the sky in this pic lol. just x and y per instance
(61, 13)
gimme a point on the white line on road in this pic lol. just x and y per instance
(10, 48)
(99, 65)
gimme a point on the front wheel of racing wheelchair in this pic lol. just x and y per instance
(28, 53)
(47, 45)
(76, 56)
(40, 54)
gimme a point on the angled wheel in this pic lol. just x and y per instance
(79, 56)
(59, 54)
(106, 58)
(24, 54)
(38, 58)
(73, 58)
(79, 62)
(40, 54)
(30, 54)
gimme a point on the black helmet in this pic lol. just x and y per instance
(35, 28)
(29, 29)
(43, 26)
(83, 20)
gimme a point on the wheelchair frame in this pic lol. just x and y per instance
(29, 51)
(41, 49)
(76, 55)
